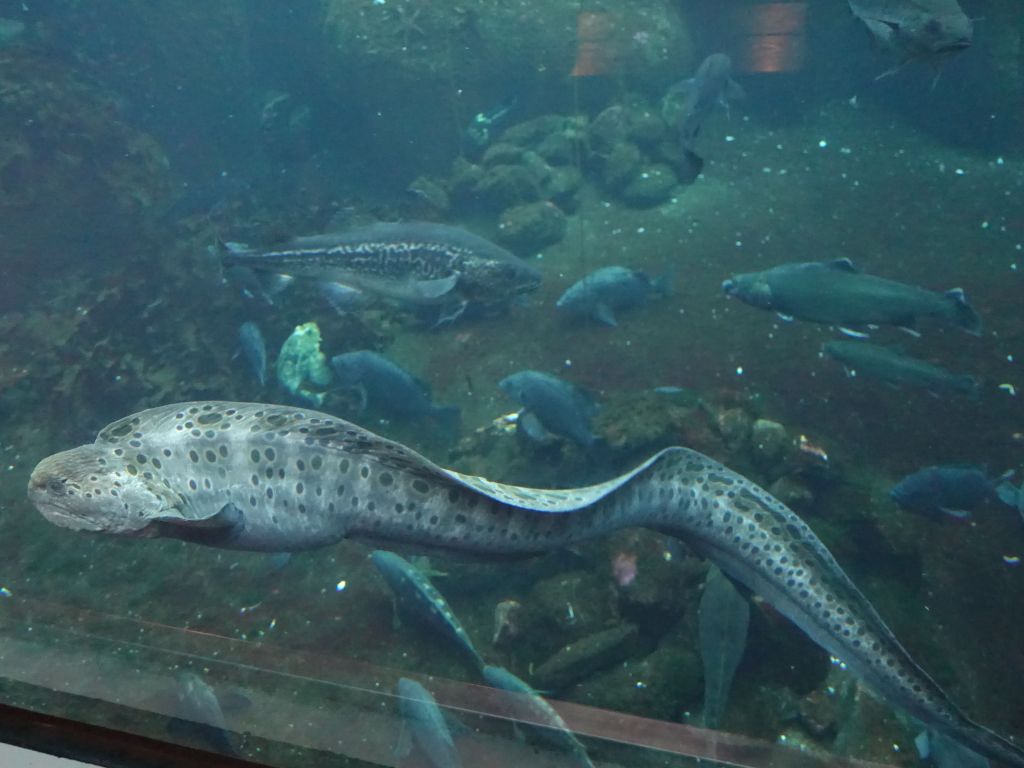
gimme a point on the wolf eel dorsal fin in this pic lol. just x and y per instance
(551, 500)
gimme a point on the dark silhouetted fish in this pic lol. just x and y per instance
(835, 292)
(271, 478)
(254, 349)
(950, 490)
(916, 30)
(414, 263)
(863, 358)
(388, 390)
(539, 716)
(415, 595)
(722, 626)
(200, 714)
(424, 726)
(600, 293)
(552, 405)
(711, 87)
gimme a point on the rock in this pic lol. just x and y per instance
(528, 228)
(651, 185)
(791, 492)
(502, 153)
(529, 133)
(464, 179)
(819, 712)
(502, 186)
(573, 605)
(563, 185)
(607, 130)
(660, 685)
(645, 127)
(585, 657)
(557, 149)
(430, 192)
(769, 441)
(621, 164)
(734, 424)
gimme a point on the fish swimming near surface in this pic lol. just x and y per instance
(388, 390)
(864, 358)
(254, 349)
(837, 293)
(724, 617)
(600, 293)
(948, 490)
(552, 405)
(916, 30)
(415, 595)
(273, 478)
(413, 263)
(424, 725)
(710, 88)
(531, 707)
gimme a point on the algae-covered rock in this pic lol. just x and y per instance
(502, 153)
(586, 656)
(792, 492)
(75, 178)
(301, 362)
(563, 185)
(574, 605)
(621, 164)
(650, 185)
(529, 228)
(501, 186)
(431, 193)
(660, 685)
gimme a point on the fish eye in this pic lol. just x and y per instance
(56, 485)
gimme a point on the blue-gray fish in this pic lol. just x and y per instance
(200, 714)
(835, 292)
(724, 616)
(426, 725)
(389, 391)
(254, 349)
(916, 30)
(864, 358)
(534, 712)
(415, 595)
(948, 490)
(600, 293)
(711, 87)
(273, 478)
(552, 405)
(416, 263)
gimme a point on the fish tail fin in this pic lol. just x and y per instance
(963, 313)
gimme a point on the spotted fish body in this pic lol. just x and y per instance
(413, 262)
(414, 592)
(274, 478)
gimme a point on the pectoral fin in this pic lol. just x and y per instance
(216, 530)
(603, 313)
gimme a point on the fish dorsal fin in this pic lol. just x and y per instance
(844, 265)
(331, 432)
(549, 499)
